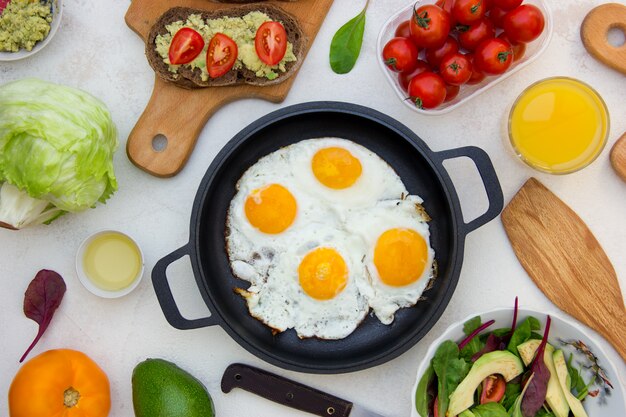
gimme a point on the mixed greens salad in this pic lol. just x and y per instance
(498, 373)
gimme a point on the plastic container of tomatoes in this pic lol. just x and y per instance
(467, 92)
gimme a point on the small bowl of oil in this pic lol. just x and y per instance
(558, 125)
(109, 264)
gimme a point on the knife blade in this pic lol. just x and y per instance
(290, 393)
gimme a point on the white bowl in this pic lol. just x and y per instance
(57, 11)
(615, 406)
(87, 283)
(467, 92)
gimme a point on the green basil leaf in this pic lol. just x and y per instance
(422, 397)
(346, 44)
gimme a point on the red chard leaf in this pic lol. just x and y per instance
(3, 4)
(538, 385)
(43, 296)
(469, 338)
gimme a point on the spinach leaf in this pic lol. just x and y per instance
(346, 44)
(490, 410)
(471, 325)
(475, 345)
(422, 396)
(578, 383)
(511, 393)
(522, 333)
(516, 409)
(450, 370)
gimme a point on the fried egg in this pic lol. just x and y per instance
(398, 258)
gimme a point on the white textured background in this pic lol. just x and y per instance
(94, 50)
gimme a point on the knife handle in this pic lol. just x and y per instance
(284, 391)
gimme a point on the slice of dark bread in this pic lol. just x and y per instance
(187, 77)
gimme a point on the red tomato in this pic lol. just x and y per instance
(185, 47)
(405, 77)
(494, 387)
(523, 24)
(447, 6)
(507, 4)
(519, 49)
(477, 75)
(467, 12)
(435, 55)
(403, 31)
(496, 15)
(455, 69)
(451, 92)
(470, 38)
(270, 42)
(400, 55)
(427, 90)
(429, 26)
(221, 55)
(493, 56)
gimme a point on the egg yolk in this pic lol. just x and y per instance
(336, 168)
(400, 256)
(323, 273)
(271, 209)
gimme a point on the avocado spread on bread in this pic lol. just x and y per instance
(241, 29)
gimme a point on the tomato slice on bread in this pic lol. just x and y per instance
(270, 42)
(221, 55)
(185, 47)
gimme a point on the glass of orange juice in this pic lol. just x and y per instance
(558, 125)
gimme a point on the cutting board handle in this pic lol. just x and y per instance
(490, 181)
(594, 31)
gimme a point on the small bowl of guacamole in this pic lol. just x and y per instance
(27, 26)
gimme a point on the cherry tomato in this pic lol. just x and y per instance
(400, 55)
(429, 26)
(186, 45)
(477, 75)
(467, 12)
(403, 31)
(496, 15)
(447, 6)
(470, 37)
(519, 49)
(435, 55)
(507, 4)
(451, 92)
(455, 69)
(221, 55)
(270, 42)
(427, 90)
(494, 387)
(523, 24)
(493, 56)
(405, 77)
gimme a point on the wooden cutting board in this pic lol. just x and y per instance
(594, 30)
(180, 114)
(566, 261)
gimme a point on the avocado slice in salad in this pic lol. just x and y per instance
(497, 362)
(555, 397)
(565, 381)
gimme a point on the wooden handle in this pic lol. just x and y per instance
(618, 157)
(594, 30)
(179, 115)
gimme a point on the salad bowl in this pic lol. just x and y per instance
(561, 329)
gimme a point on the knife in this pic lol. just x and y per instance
(289, 393)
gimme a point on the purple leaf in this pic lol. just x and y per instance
(538, 385)
(469, 338)
(492, 343)
(3, 4)
(42, 298)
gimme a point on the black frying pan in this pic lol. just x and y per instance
(422, 172)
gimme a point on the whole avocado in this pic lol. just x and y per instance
(162, 389)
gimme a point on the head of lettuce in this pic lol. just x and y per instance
(56, 152)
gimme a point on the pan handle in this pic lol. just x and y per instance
(166, 299)
(490, 181)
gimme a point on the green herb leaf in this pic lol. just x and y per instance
(471, 325)
(450, 370)
(490, 410)
(346, 44)
(422, 396)
(522, 333)
(475, 345)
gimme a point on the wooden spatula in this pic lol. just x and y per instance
(618, 157)
(566, 261)
(595, 29)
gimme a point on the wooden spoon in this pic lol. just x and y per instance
(618, 157)
(565, 260)
(594, 30)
